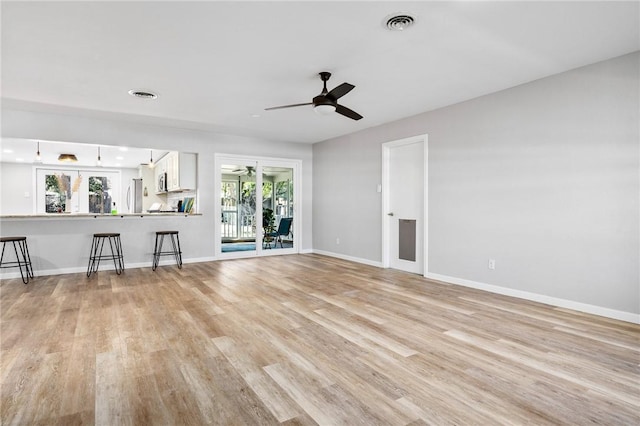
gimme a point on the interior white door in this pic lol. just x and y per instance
(405, 206)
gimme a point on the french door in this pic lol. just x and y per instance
(256, 211)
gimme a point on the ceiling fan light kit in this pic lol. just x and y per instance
(324, 109)
(327, 101)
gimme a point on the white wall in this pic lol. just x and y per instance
(543, 177)
(31, 121)
(16, 181)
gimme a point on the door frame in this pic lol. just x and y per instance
(386, 147)
(296, 165)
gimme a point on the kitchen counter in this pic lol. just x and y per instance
(61, 242)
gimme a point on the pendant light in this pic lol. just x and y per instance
(67, 158)
(151, 160)
(99, 162)
(38, 156)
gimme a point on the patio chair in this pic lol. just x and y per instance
(284, 229)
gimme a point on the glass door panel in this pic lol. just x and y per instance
(277, 204)
(238, 208)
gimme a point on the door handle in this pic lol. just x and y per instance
(390, 214)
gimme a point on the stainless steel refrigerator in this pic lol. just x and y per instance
(134, 196)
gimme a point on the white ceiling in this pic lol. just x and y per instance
(215, 64)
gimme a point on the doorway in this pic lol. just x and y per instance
(404, 206)
(256, 208)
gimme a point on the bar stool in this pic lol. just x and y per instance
(18, 263)
(116, 252)
(175, 244)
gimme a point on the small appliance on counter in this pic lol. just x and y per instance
(161, 208)
(155, 208)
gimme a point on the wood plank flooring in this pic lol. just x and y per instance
(299, 340)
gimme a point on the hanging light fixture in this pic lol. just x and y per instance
(68, 158)
(99, 162)
(38, 156)
(151, 160)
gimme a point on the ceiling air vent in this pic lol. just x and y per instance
(399, 22)
(143, 94)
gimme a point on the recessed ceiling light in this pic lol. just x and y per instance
(144, 94)
(119, 158)
(255, 115)
(398, 21)
(19, 160)
(7, 151)
(123, 149)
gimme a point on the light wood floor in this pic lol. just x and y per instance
(303, 339)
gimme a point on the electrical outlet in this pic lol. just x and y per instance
(492, 264)
(338, 241)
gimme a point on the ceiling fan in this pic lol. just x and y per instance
(327, 101)
(245, 170)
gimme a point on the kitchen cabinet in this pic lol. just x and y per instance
(181, 171)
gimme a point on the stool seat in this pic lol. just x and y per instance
(175, 245)
(10, 239)
(95, 255)
(23, 259)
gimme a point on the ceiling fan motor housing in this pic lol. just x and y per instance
(323, 100)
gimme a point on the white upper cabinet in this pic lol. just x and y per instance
(181, 171)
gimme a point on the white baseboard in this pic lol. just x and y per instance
(534, 297)
(103, 267)
(345, 257)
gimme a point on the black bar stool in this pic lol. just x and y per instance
(21, 249)
(175, 244)
(95, 255)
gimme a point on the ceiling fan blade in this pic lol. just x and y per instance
(340, 91)
(288, 106)
(348, 112)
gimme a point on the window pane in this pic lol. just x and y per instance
(229, 200)
(100, 197)
(57, 190)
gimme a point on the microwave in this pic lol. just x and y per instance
(162, 183)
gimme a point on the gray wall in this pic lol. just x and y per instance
(31, 121)
(543, 177)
